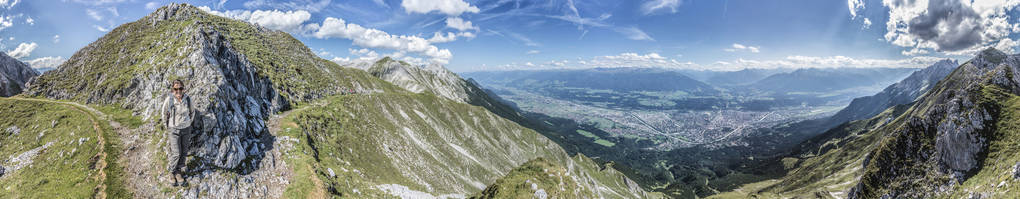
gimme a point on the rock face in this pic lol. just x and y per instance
(943, 139)
(438, 80)
(13, 75)
(237, 74)
(432, 78)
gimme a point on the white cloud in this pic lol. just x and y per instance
(867, 23)
(460, 24)
(23, 50)
(448, 7)
(289, 21)
(449, 37)
(56, 38)
(741, 47)
(286, 21)
(651, 6)
(94, 14)
(30, 21)
(6, 22)
(220, 4)
(856, 6)
(100, 28)
(956, 27)
(914, 52)
(532, 52)
(8, 4)
(152, 5)
(374, 38)
(46, 62)
(633, 33)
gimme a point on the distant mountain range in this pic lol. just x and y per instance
(616, 79)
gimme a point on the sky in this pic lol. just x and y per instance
(474, 35)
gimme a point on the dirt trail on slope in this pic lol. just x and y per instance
(100, 191)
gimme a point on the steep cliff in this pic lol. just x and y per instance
(14, 75)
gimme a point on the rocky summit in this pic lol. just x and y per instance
(14, 75)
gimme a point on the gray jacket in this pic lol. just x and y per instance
(178, 114)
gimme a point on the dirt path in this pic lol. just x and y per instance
(100, 191)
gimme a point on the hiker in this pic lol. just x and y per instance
(178, 113)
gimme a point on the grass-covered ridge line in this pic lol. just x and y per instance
(375, 142)
(109, 69)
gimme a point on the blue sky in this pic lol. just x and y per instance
(470, 35)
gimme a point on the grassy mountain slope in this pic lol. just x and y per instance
(421, 145)
(54, 150)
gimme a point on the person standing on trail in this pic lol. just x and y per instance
(178, 113)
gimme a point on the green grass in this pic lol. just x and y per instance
(534, 175)
(55, 171)
(121, 115)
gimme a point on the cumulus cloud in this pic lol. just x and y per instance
(449, 37)
(651, 6)
(30, 21)
(867, 23)
(955, 27)
(23, 50)
(44, 63)
(460, 24)
(289, 21)
(374, 38)
(448, 7)
(740, 47)
(856, 6)
(56, 38)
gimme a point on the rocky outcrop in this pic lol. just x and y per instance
(436, 79)
(14, 75)
(431, 78)
(943, 139)
(236, 73)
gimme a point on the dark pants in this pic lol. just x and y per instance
(177, 141)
